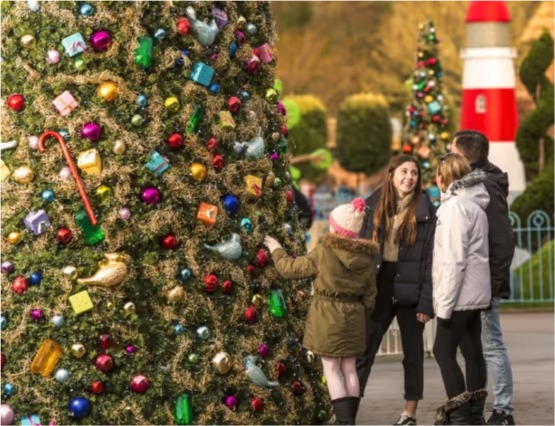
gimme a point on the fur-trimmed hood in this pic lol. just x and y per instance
(353, 254)
(470, 186)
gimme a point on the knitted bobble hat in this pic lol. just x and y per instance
(346, 219)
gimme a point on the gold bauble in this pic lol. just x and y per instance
(78, 350)
(270, 179)
(129, 307)
(109, 305)
(257, 301)
(23, 174)
(70, 271)
(14, 238)
(198, 172)
(310, 357)
(271, 95)
(27, 41)
(428, 99)
(172, 104)
(108, 91)
(444, 135)
(119, 147)
(176, 294)
(275, 136)
(221, 362)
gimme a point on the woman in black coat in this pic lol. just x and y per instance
(401, 218)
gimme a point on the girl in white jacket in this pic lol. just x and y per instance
(461, 287)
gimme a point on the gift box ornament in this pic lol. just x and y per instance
(65, 103)
(207, 214)
(220, 16)
(81, 302)
(74, 44)
(37, 222)
(32, 420)
(434, 107)
(226, 120)
(254, 185)
(90, 161)
(158, 163)
(143, 54)
(264, 52)
(202, 73)
(46, 358)
(4, 171)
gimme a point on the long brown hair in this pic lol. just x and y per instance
(387, 205)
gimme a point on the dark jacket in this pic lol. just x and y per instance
(413, 281)
(501, 236)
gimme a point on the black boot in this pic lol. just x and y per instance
(456, 411)
(345, 410)
(477, 403)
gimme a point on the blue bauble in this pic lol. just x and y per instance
(433, 192)
(178, 329)
(9, 389)
(35, 278)
(3, 322)
(246, 224)
(185, 274)
(57, 320)
(288, 228)
(244, 95)
(47, 195)
(61, 375)
(86, 9)
(142, 101)
(160, 34)
(79, 407)
(214, 87)
(232, 48)
(203, 332)
(231, 204)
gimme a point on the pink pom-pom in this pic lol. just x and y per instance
(359, 204)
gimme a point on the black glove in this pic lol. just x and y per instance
(446, 323)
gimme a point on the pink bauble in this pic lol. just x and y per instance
(91, 131)
(36, 314)
(33, 142)
(6, 414)
(130, 349)
(150, 195)
(263, 350)
(231, 402)
(100, 40)
(65, 173)
(52, 57)
(104, 363)
(139, 383)
(124, 213)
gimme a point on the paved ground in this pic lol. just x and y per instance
(529, 339)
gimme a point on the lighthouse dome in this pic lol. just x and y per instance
(488, 11)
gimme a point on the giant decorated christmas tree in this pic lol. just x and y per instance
(426, 122)
(144, 158)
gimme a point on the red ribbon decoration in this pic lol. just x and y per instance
(74, 171)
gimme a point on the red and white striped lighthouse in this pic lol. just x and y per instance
(489, 98)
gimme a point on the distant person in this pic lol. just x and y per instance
(344, 294)
(401, 219)
(305, 211)
(462, 289)
(474, 146)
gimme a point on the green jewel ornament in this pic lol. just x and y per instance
(143, 54)
(183, 410)
(93, 234)
(194, 121)
(79, 64)
(282, 145)
(276, 304)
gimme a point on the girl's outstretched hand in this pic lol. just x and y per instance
(271, 243)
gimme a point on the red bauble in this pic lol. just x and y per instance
(183, 26)
(168, 242)
(97, 387)
(289, 197)
(139, 383)
(284, 131)
(280, 368)
(257, 404)
(3, 361)
(251, 270)
(64, 236)
(211, 283)
(251, 314)
(227, 287)
(16, 102)
(106, 341)
(20, 285)
(175, 141)
(104, 363)
(212, 145)
(234, 104)
(407, 148)
(297, 387)
(218, 162)
(262, 258)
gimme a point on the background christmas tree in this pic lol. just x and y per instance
(170, 113)
(426, 130)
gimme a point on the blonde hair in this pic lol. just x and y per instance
(452, 167)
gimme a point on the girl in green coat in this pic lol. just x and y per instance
(344, 295)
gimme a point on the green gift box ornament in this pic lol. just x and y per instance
(276, 304)
(143, 54)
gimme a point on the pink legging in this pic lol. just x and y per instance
(341, 376)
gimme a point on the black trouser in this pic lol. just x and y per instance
(411, 336)
(463, 330)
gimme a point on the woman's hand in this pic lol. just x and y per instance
(271, 243)
(423, 318)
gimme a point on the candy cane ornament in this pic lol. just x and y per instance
(72, 167)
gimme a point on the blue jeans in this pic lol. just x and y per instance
(497, 358)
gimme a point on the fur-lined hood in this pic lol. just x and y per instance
(470, 186)
(353, 254)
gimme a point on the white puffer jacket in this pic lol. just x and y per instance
(461, 274)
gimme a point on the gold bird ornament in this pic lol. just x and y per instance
(111, 273)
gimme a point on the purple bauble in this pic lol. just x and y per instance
(231, 402)
(7, 267)
(6, 414)
(274, 156)
(263, 350)
(100, 40)
(36, 314)
(281, 108)
(130, 349)
(150, 195)
(91, 131)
